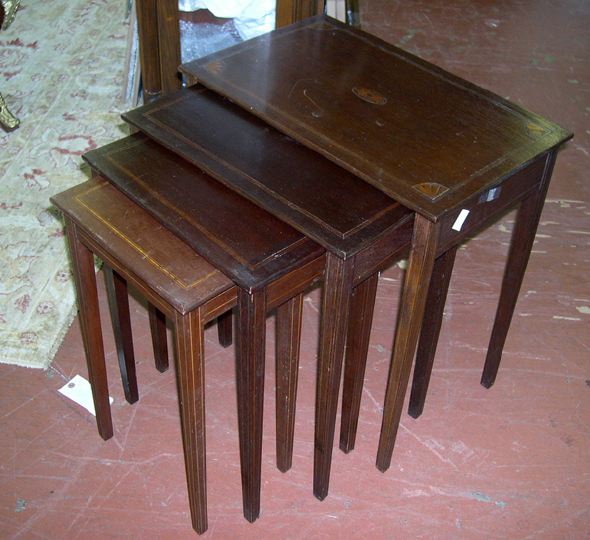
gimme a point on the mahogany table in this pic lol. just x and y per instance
(270, 263)
(101, 220)
(454, 153)
(362, 229)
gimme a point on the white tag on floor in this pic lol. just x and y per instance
(79, 390)
(460, 220)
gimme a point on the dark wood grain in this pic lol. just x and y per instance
(523, 236)
(422, 135)
(435, 304)
(288, 334)
(118, 300)
(247, 244)
(357, 347)
(202, 212)
(334, 324)
(327, 203)
(250, 389)
(432, 141)
(225, 329)
(485, 208)
(170, 265)
(188, 331)
(410, 317)
(159, 339)
(87, 296)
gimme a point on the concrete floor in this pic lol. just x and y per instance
(509, 462)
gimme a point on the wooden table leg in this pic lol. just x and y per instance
(357, 348)
(85, 280)
(417, 280)
(251, 330)
(288, 336)
(159, 338)
(435, 305)
(119, 307)
(521, 244)
(225, 328)
(191, 391)
(335, 311)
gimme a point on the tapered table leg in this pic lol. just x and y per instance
(521, 244)
(225, 328)
(119, 307)
(191, 391)
(287, 367)
(357, 348)
(85, 280)
(335, 310)
(251, 332)
(433, 315)
(159, 339)
(414, 293)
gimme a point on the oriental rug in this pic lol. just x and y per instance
(61, 72)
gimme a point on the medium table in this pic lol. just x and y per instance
(362, 229)
(270, 263)
(454, 153)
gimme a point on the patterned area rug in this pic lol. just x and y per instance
(61, 73)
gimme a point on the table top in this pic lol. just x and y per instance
(247, 244)
(160, 259)
(325, 202)
(423, 136)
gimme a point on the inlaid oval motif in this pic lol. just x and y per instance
(369, 95)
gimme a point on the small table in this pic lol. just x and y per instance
(269, 262)
(456, 154)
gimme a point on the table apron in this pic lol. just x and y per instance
(487, 206)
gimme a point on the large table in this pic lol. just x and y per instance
(454, 154)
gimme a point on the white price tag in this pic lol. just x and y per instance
(79, 390)
(460, 220)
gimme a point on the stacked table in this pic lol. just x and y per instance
(372, 153)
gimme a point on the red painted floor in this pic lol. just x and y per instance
(509, 462)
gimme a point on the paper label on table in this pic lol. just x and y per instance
(490, 195)
(79, 390)
(460, 220)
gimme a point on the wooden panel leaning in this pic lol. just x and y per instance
(178, 282)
